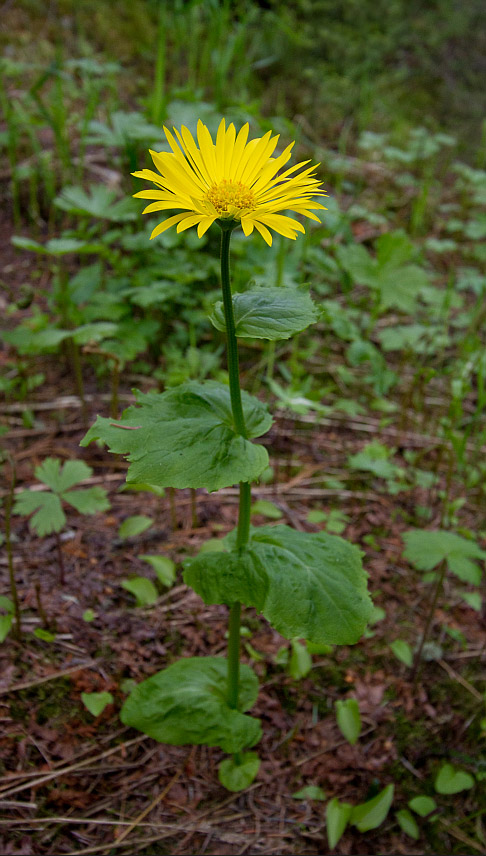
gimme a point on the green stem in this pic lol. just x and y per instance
(234, 654)
(233, 364)
(245, 487)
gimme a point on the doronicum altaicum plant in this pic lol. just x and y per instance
(200, 435)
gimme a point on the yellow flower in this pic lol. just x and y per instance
(233, 179)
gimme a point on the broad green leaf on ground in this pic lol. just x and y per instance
(375, 458)
(308, 585)
(96, 702)
(99, 202)
(337, 818)
(451, 781)
(266, 509)
(396, 281)
(186, 703)
(6, 620)
(422, 805)
(414, 337)
(143, 589)
(185, 437)
(402, 651)
(425, 549)
(348, 719)
(268, 313)
(300, 661)
(407, 822)
(28, 341)
(164, 568)
(309, 792)
(371, 814)
(134, 525)
(238, 772)
(56, 246)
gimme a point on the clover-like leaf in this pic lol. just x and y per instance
(268, 313)
(308, 585)
(89, 500)
(185, 437)
(425, 549)
(61, 479)
(186, 703)
(49, 516)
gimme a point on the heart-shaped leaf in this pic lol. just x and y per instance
(186, 703)
(451, 781)
(238, 772)
(96, 702)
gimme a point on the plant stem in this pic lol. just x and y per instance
(245, 488)
(62, 575)
(17, 632)
(233, 364)
(435, 597)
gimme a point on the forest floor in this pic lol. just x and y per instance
(73, 783)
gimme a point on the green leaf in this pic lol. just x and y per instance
(89, 500)
(164, 568)
(96, 702)
(371, 814)
(374, 458)
(308, 585)
(89, 615)
(7, 604)
(473, 599)
(349, 719)
(5, 625)
(61, 479)
(268, 313)
(56, 246)
(143, 589)
(267, 509)
(402, 651)
(134, 526)
(49, 516)
(451, 781)
(300, 662)
(45, 635)
(337, 818)
(100, 202)
(309, 792)
(236, 775)
(408, 823)
(185, 437)
(422, 805)
(186, 703)
(425, 549)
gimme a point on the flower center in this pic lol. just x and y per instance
(228, 197)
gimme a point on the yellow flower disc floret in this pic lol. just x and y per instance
(231, 178)
(230, 197)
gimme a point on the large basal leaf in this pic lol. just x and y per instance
(185, 437)
(186, 703)
(308, 585)
(268, 313)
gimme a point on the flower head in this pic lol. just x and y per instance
(234, 179)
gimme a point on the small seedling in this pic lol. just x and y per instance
(47, 504)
